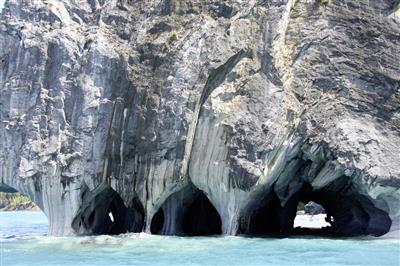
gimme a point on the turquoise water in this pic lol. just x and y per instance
(24, 243)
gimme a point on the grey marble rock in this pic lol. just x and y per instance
(313, 208)
(115, 112)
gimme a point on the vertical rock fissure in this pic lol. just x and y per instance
(109, 142)
(215, 78)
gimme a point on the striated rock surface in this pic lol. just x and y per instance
(313, 208)
(128, 115)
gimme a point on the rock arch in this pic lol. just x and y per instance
(7, 189)
(135, 215)
(187, 212)
(268, 217)
(349, 212)
(57, 201)
(103, 212)
(30, 191)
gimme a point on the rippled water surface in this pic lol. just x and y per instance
(23, 242)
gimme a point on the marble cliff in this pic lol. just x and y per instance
(202, 117)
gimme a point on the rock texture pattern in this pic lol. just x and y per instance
(115, 112)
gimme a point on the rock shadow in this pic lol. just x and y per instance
(349, 213)
(103, 212)
(187, 212)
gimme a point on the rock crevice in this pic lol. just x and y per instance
(117, 117)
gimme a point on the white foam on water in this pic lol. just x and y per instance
(146, 249)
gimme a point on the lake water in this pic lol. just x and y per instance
(23, 242)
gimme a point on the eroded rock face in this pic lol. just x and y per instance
(128, 106)
(313, 208)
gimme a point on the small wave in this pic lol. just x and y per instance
(136, 235)
(8, 237)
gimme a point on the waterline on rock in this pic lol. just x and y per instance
(20, 245)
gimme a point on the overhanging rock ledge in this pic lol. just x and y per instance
(155, 113)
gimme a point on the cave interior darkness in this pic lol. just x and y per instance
(349, 213)
(103, 212)
(188, 212)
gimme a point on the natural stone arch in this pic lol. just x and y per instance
(37, 203)
(57, 200)
(267, 217)
(187, 212)
(31, 191)
(135, 215)
(7, 189)
(349, 212)
(103, 212)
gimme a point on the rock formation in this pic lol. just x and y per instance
(313, 208)
(140, 115)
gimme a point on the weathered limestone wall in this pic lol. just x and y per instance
(255, 103)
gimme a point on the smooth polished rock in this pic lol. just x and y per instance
(254, 103)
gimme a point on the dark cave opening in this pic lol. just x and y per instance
(103, 212)
(134, 220)
(187, 212)
(157, 222)
(271, 219)
(108, 220)
(348, 212)
(202, 218)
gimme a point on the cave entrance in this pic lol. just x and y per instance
(351, 213)
(267, 219)
(348, 213)
(187, 212)
(103, 212)
(202, 218)
(157, 222)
